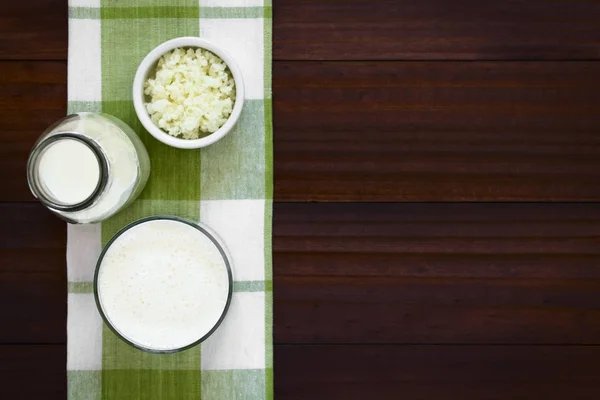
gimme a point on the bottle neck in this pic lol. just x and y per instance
(67, 171)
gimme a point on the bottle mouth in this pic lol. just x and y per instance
(67, 171)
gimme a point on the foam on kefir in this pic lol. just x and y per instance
(163, 284)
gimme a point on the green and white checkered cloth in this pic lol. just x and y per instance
(228, 186)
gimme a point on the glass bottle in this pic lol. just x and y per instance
(87, 167)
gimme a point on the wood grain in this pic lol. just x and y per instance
(33, 95)
(387, 131)
(411, 286)
(436, 372)
(358, 372)
(33, 30)
(33, 372)
(425, 131)
(369, 30)
(373, 273)
(436, 29)
(33, 281)
(437, 273)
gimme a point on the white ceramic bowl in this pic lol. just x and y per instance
(147, 69)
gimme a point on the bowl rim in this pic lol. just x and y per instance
(138, 92)
(210, 234)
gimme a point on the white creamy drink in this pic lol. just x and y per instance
(163, 284)
(69, 171)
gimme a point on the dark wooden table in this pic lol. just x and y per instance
(436, 225)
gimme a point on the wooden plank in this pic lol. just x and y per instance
(426, 131)
(437, 372)
(33, 30)
(368, 30)
(33, 95)
(437, 273)
(358, 372)
(387, 131)
(33, 281)
(373, 273)
(435, 29)
(398, 310)
(33, 372)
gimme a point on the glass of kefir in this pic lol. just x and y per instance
(163, 284)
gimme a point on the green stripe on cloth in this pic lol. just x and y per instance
(84, 385)
(252, 286)
(242, 148)
(169, 12)
(238, 286)
(228, 184)
(145, 384)
(175, 172)
(234, 384)
(268, 251)
(84, 13)
(268, 115)
(173, 189)
(149, 12)
(174, 184)
(268, 107)
(80, 287)
(84, 106)
(235, 12)
(121, 356)
(149, 3)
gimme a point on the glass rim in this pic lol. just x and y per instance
(204, 230)
(33, 165)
